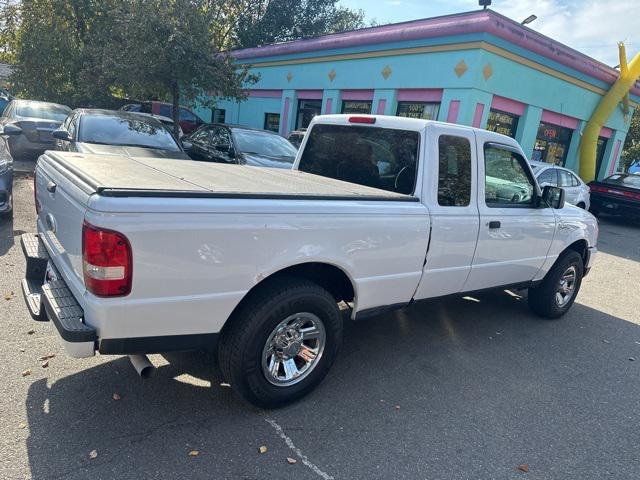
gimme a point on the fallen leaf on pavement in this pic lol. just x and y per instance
(93, 454)
(31, 332)
(47, 357)
(524, 467)
(26, 372)
(632, 359)
(263, 449)
(116, 396)
(397, 407)
(605, 341)
(22, 350)
(194, 453)
(45, 364)
(8, 296)
(22, 426)
(291, 461)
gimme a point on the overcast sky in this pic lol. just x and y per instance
(591, 26)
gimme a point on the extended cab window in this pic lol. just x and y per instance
(454, 173)
(507, 179)
(371, 156)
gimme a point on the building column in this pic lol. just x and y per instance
(288, 112)
(612, 154)
(384, 102)
(572, 162)
(527, 130)
(330, 102)
(465, 106)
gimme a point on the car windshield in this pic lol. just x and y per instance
(48, 111)
(263, 143)
(113, 130)
(631, 181)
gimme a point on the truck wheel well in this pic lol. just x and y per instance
(329, 277)
(581, 247)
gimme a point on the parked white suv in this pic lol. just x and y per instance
(577, 192)
(173, 255)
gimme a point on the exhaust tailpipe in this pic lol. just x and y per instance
(142, 365)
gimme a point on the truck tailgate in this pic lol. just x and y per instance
(63, 204)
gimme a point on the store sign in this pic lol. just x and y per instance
(358, 107)
(425, 111)
(502, 122)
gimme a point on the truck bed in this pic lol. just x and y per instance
(117, 176)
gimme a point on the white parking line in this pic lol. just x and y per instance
(296, 450)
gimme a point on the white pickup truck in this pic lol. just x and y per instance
(139, 256)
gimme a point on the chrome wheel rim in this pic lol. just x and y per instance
(566, 286)
(293, 349)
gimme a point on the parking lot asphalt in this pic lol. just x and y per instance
(464, 388)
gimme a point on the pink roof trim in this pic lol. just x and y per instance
(560, 120)
(309, 94)
(362, 95)
(420, 95)
(507, 105)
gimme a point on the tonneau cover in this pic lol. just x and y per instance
(114, 175)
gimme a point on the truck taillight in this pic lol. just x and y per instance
(106, 261)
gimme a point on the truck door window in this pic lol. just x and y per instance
(507, 179)
(454, 172)
(371, 156)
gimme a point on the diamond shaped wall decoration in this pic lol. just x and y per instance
(332, 75)
(386, 72)
(289, 77)
(461, 68)
(487, 71)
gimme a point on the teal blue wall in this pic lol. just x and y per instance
(512, 78)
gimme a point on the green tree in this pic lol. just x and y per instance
(631, 149)
(9, 25)
(268, 21)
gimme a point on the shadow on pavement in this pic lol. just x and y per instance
(6, 234)
(462, 388)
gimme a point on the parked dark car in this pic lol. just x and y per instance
(6, 174)
(116, 132)
(189, 121)
(618, 194)
(27, 126)
(241, 145)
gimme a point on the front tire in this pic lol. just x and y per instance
(281, 342)
(555, 295)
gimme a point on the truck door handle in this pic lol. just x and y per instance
(51, 187)
(494, 224)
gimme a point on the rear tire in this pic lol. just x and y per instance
(555, 295)
(581, 205)
(266, 332)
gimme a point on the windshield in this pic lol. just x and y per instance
(632, 181)
(112, 130)
(263, 143)
(48, 111)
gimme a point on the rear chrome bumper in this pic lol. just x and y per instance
(49, 299)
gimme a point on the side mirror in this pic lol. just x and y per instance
(11, 130)
(61, 134)
(553, 197)
(187, 145)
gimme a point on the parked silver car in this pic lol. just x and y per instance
(576, 191)
(30, 125)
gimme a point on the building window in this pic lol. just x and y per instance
(426, 111)
(601, 147)
(552, 144)
(503, 122)
(218, 115)
(307, 109)
(272, 122)
(356, 106)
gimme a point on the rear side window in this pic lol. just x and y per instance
(567, 179)
(454, 172)
(371, 156)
